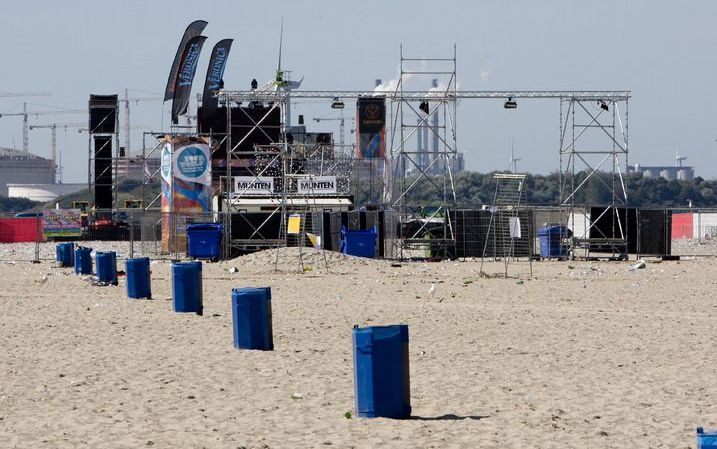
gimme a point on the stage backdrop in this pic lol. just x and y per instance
(186, 187)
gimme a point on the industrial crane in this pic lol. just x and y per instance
(341, 126)
(53, 140)
(25, 126)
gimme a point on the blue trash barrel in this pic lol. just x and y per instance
(381, 376)
(106, 267)
(551, 241)
(83, 260)
(203, 240)
(187, 287)
(138, 278)
(359, 243)
(64, 254)
(251, 315)
(706, 440)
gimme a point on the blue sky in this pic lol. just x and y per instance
(662, 51)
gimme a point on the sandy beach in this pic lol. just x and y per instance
(583, 355)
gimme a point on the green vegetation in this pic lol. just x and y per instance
(475, 189)
(16, 204)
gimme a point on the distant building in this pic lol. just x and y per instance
(43, 192)
(670, 173)
(21, 167)
(133, 167)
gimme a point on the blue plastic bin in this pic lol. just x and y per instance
(251, 315)
(187, 287)
(138, 278)
(551, 241)
(83, 260)
(106, 267)
(706, 440)
(64, 254)
(204, 240)
(381, 375)
(359, 243)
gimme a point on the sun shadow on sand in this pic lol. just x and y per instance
(448, 417)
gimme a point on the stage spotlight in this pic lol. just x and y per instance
(423, 106)
(337, 104)
(510, 104)
(254, 84)
(603, 105)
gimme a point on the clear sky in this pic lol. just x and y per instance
(664, 52)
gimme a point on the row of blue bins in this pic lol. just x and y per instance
(380, 353)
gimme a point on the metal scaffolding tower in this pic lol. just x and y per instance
(436, 112)
(593, 161)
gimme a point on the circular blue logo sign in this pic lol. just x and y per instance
(166, 161)
(192, 162)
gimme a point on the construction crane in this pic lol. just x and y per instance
(25, 125)
(127, 100)
(53, 140)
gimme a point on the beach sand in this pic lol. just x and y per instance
(593, 356)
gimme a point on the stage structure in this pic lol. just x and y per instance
(594, 159)
(407, 109)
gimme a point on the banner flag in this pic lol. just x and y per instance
(194, 29)
(215, 75)
(185, 77)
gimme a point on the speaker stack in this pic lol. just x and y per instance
(103, 129)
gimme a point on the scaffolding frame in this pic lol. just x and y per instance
(604, 165)
(407, 121)
(401, 130)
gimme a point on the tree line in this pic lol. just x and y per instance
(475, 189)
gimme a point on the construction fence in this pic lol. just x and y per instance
(475, 233)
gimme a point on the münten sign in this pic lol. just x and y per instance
(317, 185)
(251, 185)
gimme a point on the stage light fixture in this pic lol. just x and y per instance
(337, 103)
(423, 106)
(510, 104)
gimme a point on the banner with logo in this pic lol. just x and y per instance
(251, 185)
(186, 186)
(317, 185)
(215, 75)
(61, 223)
(194, 29)
(185, 76)
(371, 128)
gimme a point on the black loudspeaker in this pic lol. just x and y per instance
(103, 114)
(244, 127)
(103, 172)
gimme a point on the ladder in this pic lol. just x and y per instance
(505, 230)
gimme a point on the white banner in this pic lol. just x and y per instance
(317, 185)
(192, 163)
(166, 167)
(251, 185)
